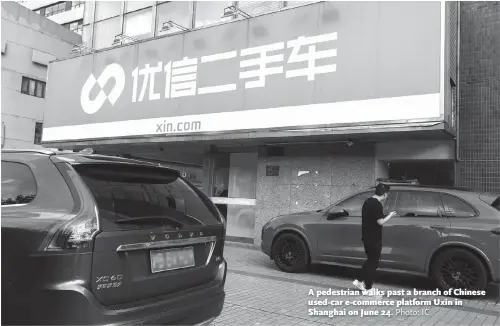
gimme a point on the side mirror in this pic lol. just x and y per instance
(332, 215)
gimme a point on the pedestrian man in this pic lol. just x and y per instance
(373, 218)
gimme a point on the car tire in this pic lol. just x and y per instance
(290, 253)
(451, 265)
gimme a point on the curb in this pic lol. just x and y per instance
(241, 245)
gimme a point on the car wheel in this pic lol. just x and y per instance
(459, 269)
(290, 253)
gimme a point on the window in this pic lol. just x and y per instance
(419, 204)
(210, 12)
(176, 11)
(77, 4)
(38, 133)
(456, 207)
(107, 9)
(153, 195)
(18, 184)
(76, 27)
(33, 87)
(136, 5)
(55, 9)
(105, 32)
(354, 204)
(255, 8)
(139, 24)
(298, 3)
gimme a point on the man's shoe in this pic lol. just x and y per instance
(359, 285)
(373, 293)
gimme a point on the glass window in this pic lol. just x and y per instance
(18, 184)
(38, 133)
(76, 26)
(419, 204)
(55, 9)
(33, 87)
(177, 11)
(210, 12)
(298, 3)
(240, 221)
(77, 4)
(136, 5)
(155, 196)
(107, 9)
(354, 204)
(105, 32)
(139, 24)
(456, 207)
(255, 8)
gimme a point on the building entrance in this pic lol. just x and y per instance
(233, 190)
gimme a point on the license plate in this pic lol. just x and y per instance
(170, 259)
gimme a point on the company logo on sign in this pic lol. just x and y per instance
(112, 71)
(181, 76)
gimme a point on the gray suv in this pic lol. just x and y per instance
(451, 235)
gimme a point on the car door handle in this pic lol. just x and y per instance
(438, 227)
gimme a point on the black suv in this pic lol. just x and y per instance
(90, 239)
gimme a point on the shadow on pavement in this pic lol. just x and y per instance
(394, 279)
(386, 278)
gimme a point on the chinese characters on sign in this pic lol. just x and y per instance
(180, 75)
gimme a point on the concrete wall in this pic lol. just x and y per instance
(310, 178)
(30, 42)
(478, 165)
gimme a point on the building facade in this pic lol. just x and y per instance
(29, 43)
(478, 157)
(68, 14)
(277, 110)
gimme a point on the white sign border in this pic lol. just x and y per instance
(404, 108)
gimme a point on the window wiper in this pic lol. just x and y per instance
(148, 219)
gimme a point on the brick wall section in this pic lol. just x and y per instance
(479, 107)
(333, 172)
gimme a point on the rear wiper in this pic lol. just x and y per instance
(154, 218)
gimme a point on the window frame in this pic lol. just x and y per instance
(41, 133)
(26, 91)
(55, 5)
(77, 4)
(220, 22)
(79, 26)
(391, 200)
(398, 192)
(450, 214)
(34, 181)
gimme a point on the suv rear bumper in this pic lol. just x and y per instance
(73, 304)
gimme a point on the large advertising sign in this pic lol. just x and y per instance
(326, 64)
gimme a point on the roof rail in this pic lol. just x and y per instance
(398, 182)
(34, 151)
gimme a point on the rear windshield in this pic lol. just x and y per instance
(137, 197)
(491, 199)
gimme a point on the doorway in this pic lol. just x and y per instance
(431, 173)
(234, 186)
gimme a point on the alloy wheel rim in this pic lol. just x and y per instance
(289, 254)
(458, 273)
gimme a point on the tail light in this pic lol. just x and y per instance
(78, 233)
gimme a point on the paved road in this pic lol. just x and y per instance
(257, 293)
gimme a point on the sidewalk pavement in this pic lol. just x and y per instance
(257, 293)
